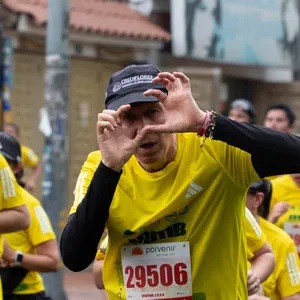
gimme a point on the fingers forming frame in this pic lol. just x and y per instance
(177, 79)
(110, 119)
(161, 96)
(168, 80)
(185, 81)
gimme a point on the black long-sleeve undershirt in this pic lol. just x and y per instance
(272, 153)
(81, 235)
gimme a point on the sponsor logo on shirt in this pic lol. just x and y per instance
(147, 237)
(128, 232)
(176, 214)
(193, 189)
(294, 218)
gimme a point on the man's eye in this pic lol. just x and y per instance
(130, 117)
(153, 111)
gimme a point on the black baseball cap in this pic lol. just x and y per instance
(128, 86)
(260, 186)
(10, 147)
(246, 106)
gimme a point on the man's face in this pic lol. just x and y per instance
(250, 200)
(156, 147)
(277, 119)
(296, 178)
(239, 115)
(10, 130)
(253, 200)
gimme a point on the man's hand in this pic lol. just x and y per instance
(115, 147)
(30, 185)
(183, 113)
(279, 209)
(8, 256)
(253, 283)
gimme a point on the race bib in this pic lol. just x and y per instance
(157, 271)
(293, 229)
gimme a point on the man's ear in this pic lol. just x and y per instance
(290, 129)
(259, 199)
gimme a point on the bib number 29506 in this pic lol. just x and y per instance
(154, 276)
(157, 271)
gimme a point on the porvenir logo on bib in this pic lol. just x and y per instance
(137, 251)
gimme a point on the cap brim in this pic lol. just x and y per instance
(8, 156)
(129, 99)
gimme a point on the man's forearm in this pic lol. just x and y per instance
(86, 226)
(14, 219)
(292, 297)
(263, 266)
(272, 152)
(39, 263)
(36, 172)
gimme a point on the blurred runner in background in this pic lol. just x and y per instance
(26, 252)
(14, 213)
(260, 256)
(241, 110)
(285, 202)
(280, 117)
(259, 253)
(284, 282)
(29, 157)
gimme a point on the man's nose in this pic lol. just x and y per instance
(143, 122)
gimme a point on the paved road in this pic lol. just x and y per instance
(80, 286)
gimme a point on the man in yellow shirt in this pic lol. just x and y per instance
(285, 202)
(259, 255)
(14, 214)
(32, 250)
(285, 205)
(258, 249)
(29, 157)
(172, 200)
(284, 282)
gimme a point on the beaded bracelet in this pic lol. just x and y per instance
(204, 124)
(209, 133)
(208, 126)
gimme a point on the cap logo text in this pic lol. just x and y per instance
(130, 81)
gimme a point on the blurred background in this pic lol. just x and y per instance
(230, 49)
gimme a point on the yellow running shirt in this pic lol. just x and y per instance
(10, 191)
(255, 237)
(285, 279)
(29, 158)
(286, 190)
(9, 195)
(102, 247)
(39, 231)
(199, 197)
